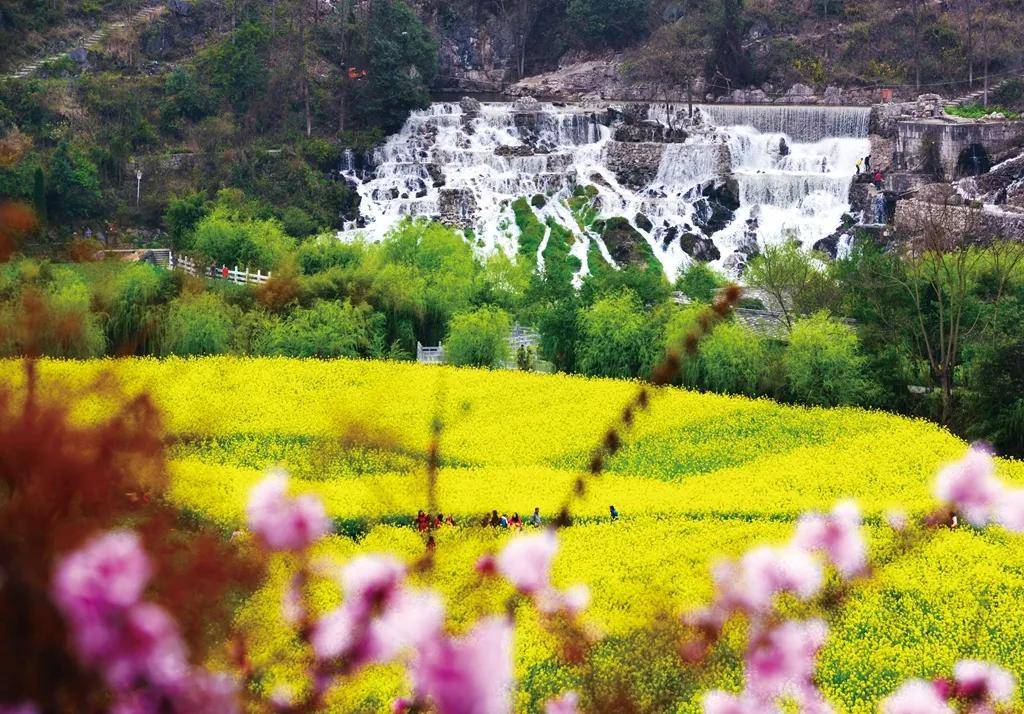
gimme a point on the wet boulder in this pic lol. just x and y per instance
(699, 248)
(625, 244)
(643, 222)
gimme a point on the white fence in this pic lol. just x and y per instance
(166, 258)
(234, 275)
(520, 337)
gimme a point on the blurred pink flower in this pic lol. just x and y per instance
(970, 486)
(981, 680)
(371, 581)
(380, 618)
(719, 702)
(334, 634)
(147, 648)
(766, 571)
(106, 574)
(916, 697)
(837, 535)
(526, 561)
(413, 619)
(781, 662)
(568, 703)
(281, 522)
(1010, 511)
(468, 675)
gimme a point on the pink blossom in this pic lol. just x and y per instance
(837, 535)
(781, 662)
(981, 680)
(281, 522)
(970, 486)
(147, 648)
(719, 702)
(401, 705)
(1010, 511)
(568, 703)
(526, 561)
(916, 697)
(371, 581)
(413, 619)
(766, 571)
(334, 634)
(468, 675)
(572, 601)
(107, 574)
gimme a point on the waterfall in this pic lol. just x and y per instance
(803, 123)
(792, 168)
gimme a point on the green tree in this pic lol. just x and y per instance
(327, 330)
(254, 244)
(617, 338)
(993, 397)
(734, 360)
(607, 23)
(479, 338)
(787, 273)
(728, 64)
(39, 192)
(824, 364)
(237, 67)
(74, 185)
(400, 59)
(182, 216)
(700, 282)
(198, 325)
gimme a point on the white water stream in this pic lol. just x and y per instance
(793, 166)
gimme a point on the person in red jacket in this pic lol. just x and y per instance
(422, 521)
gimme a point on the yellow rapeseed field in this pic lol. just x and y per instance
(701, 476)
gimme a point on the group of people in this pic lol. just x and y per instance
(425, 522)
(864, 166)
(493, 520)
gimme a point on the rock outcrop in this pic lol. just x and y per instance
(634, 164)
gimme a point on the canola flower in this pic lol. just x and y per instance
(701, 476)
(382, 619)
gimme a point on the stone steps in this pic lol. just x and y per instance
(89, 42)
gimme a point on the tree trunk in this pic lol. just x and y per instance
(946, 382)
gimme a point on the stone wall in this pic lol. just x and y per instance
(942, 146)
(916, 215)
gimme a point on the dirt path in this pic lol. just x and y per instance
(30, 68)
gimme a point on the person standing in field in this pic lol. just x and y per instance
(495, 520)
(422, 521)
(504, 521)
(516, 521)
(535, 519)
(614, 513)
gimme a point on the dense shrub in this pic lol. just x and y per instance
(824, 365)
(700, 282)
(255, 244)
(182, 216)
(326, 330)
(198, 325)
(617, 338)
(126, 296)
(733, 359)
(479, 338)
(607, 23)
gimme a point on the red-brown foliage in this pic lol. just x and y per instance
(61, 483)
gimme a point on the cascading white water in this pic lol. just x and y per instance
(793, 167)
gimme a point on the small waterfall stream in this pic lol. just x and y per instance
(792, 168)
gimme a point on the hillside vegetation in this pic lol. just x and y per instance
(702, 476)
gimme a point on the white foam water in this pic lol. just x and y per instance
(793, 166)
